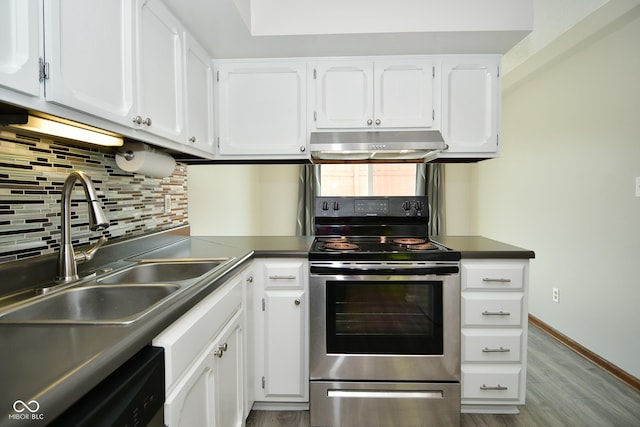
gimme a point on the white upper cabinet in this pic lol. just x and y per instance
(20, 45)
(160, 71)
(376, 94)
(470, 105)
(262, 108)
(199, 96)
(90, 54)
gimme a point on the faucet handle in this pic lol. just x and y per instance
(83, 256)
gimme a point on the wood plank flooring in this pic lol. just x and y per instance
(563, 390)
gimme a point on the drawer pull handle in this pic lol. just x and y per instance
(282, 277)
(498, 387)
(496, 350)
(496, 313)
(501, 280)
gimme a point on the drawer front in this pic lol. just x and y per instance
(491, 345)
(284, 274)
(491, 383)
(493, 275)
(191, 333)
(490, 309)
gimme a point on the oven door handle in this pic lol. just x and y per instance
(377, 271)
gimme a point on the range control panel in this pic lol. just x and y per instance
(371, 206)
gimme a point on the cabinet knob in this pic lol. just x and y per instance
(192, 140)
(250, 279)
(137, 120)
(224, 347)
(378, 122)
(369, 122)
(218, 353)
(303, 148)
(297, 301)
(147, 121)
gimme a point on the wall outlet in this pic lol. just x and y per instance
(555, 295)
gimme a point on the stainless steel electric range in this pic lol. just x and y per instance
(385, 316)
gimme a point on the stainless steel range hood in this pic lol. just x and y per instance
(376, 146)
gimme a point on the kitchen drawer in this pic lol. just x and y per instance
(287, 275)
(190, 334)
(492, 275)
(491, 383)
(491, 345)
(492, 309)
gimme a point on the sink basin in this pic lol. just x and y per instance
(162, 272)
(92, 304)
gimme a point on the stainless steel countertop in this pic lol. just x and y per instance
(57, 364)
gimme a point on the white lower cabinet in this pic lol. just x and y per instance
(205, 360)
(494, 334)
(281, 332)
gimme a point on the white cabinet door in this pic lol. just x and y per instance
(470, 103)
(199, 96)
(20, 36)
(191, 403)
(281, 331)
(284, 335)
(160, 71)
(262, 108)
(380, 94)
(90, 51)
(228, 373)
(404, 93)
(344, 94)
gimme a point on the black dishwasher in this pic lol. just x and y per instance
(133, 395)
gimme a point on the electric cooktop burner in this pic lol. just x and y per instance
(340, 246)
(410, 241)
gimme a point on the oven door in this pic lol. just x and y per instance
(385, 321)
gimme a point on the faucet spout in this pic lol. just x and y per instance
(67, 265)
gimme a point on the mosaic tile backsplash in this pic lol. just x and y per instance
(32, 172)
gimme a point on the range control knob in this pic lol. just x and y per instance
(406, 205)
(419, 206)
(325, 206)
(336, 206)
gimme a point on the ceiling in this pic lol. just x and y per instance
(221, 27)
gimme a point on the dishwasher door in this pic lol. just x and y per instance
(133, 395)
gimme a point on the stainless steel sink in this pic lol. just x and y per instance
(162, 272)
(92, 305)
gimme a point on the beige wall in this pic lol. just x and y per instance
(243, 200)
(564, 187)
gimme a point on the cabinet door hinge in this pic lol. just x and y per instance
(314, 74)
(433, 114)
(315, 116)
(497, 140)
(263, 381)
(218, 139)
(217, 76)
(44, 69)
(433, 72)
(263, 305)
(498, 67)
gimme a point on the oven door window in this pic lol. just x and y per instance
(384, 317)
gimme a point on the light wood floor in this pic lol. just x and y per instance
(563, 390)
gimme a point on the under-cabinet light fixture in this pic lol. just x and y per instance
(70, 130)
